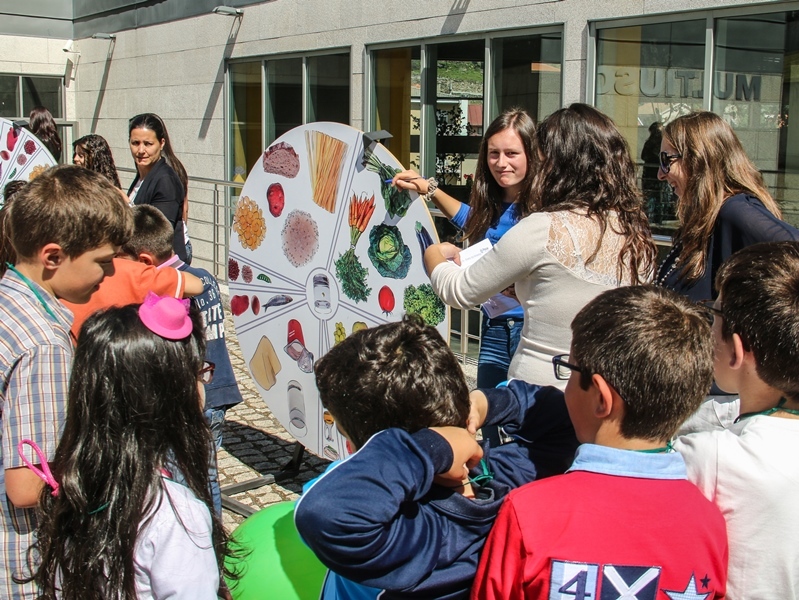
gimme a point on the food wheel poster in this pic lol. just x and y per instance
(322, 246)
(22, 155)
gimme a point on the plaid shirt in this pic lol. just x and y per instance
(35, 361)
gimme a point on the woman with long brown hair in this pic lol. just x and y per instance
(589, 234)
(723, 204)
(501, 192)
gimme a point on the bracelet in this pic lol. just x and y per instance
(432, 186)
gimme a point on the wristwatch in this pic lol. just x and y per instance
(432, 186)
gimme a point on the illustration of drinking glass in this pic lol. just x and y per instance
(296, 409)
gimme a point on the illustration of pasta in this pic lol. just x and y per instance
(326, 160)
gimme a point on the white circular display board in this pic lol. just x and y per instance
(22, 155)
(298, 283)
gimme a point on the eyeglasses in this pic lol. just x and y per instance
(710, 307)
(562, 368)
(666, 159)
(206, 374)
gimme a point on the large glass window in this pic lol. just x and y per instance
(245, 118)
(435, 98)
(270, 97)
(329, 88)
(647, 75)
(19, 94)
(756, 77)
(528, 74)
(283, 96)
(653, 73)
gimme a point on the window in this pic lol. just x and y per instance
(268, 98)
(754, 81)
(655, 72)
(648, 75)
(435, 100)
(19, 94)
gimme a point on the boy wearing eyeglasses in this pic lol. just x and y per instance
(403, 517)
(624, 521)
(750, 469)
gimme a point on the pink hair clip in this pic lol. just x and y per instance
(44, 473)
(165, 316)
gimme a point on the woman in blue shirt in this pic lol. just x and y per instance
(500, 194)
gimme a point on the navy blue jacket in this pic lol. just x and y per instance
(223, 391)
(742, 221)
(378, 519)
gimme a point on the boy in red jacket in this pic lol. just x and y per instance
(623, 522)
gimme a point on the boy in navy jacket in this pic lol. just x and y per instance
(404, 516)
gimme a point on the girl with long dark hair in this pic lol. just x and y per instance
(583, 231)
(501, 192)
(723, 204)
(43, 126)
(158, 178)
(113, 523)
(94, 153)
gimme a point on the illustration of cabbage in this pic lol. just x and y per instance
(390, 256)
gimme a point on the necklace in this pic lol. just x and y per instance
(769, 411)
(661, 280)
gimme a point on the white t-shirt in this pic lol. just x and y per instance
(174, 555)
(750, 471)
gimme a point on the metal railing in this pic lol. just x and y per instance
(210, 217)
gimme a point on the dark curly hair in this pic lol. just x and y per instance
(587, 166)
(395, 375)
(98, 156)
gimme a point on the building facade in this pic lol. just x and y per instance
(431, 73)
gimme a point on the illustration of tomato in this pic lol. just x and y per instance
(385, 298)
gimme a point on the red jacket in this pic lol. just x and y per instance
(592, 536)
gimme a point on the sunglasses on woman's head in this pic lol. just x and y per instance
(666, 159)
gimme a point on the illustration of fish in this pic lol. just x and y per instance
(278, 300)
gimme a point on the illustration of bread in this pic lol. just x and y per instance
(265, 364)
(281, 159)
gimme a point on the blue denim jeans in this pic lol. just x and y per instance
(216, 420)
(500, 337)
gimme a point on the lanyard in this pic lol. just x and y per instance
(36, 293)
(769, 411)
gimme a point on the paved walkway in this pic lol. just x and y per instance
(255, 444)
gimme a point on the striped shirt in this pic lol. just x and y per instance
(35, 361)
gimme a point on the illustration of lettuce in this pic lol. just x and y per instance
(390, 256)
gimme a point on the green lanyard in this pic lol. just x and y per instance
(667, 448)
(769, 411)
(36, 293)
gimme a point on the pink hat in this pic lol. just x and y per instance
(165, 316)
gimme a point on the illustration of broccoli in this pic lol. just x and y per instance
(422, 301)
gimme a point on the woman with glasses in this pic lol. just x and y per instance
(501, 192)
(158, 181)
(590, 234)
(723, 204)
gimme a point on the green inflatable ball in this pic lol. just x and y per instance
(274, 562)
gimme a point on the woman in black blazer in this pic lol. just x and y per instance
(156, 181)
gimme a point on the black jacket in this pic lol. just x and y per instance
(163, 190)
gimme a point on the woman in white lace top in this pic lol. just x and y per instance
(591, 234)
